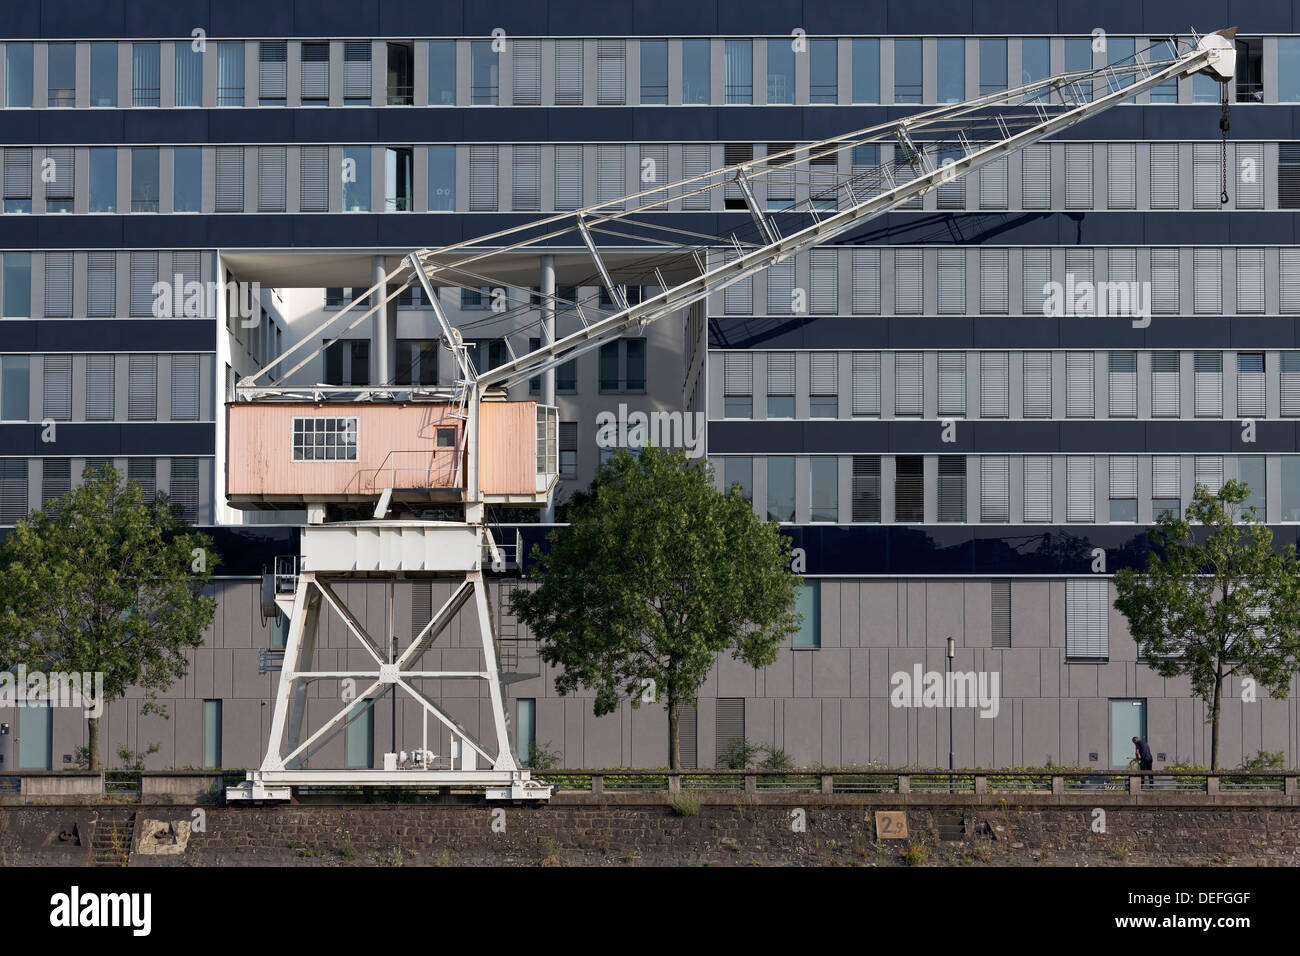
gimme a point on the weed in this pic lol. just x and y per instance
(685, 804)
(916, 854)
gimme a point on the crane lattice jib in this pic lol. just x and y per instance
(970, 134)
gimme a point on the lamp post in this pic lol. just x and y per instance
(952, 652)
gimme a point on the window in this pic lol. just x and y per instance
(272, 72)
(780, 71)
(807, 604)
(780, 288)
(866, 71)
(1288, 176)
(1290, 383)
(866, 489)
(823, 398)
(100, 401)
(1208, 373)
(144, 179)
(1250, 384)
(909, 382)
(230, 74)
(780, 385)
(1123, 488)
(526, 178)
(952, 281)
(185, 387)
(1078, 59)
(993, 65)
(314, 74)
(1166, 485)
(1078, 384)
(1165, 400)
(739, 56)
(1038, 385)
(58, 191)
(568, 449)
(230, 179)
(729, 724)
(1251, 472)
(908, 282)
(15, 387)
(359, 737)
(866, 281)
(103, 74)
(144, 472)
(526, 72)
(952, 384)
(1001, 616)
(356, 179)
(482, 178)
(484, 73)
(993, 191)
(780, 192)
(611, 175)
(211, 733)
(18, 74)
(62, 74)
(325, 439)
(13, 490)
(142, 388)
(17, 285)
(823, 71)
(1080, 491)
(472, 299)
(1291, 488)
(357, 78)
(695, 71)
(1087, 614)
(145, 74)
(952, 488)
(1035, 193)
(1078, 175)
(780, 488)
(568, 73)
(1162, 49)
(401, 72)
(56, 481)
(1164, 175)
(568, 177)
(442, 178)
(824, 488)
(101, 284)
(633, 356)
(525, 729)
(611, 72)
(446, 438)
(654, 72)
(18, 180)
(1038, 489)
(1250, 70)
(738, 385)
(951, 57)
(995, 489)
(58, 285)
(866, 384)
(1122, 369)
(398, 174)
(348, 363)
(995, 387)
(103, 180)
(907, 71)
(1288, 70)
(909, 489)
(739, 471)
(143, 277)
(1121, 176)
(1207, 472)
(417, 362)
(442, 72)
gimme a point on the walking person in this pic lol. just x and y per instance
(1143, 754)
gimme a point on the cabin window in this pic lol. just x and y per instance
(324, 439)
(446, 438)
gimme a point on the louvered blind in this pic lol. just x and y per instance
(1208, 373)
(952, 488)
(1080, 489)
(611, 175)
(143, 471)
(58, 285)
(993, 185)
(824, 373)
(1164, 175)
(1289, 278)
(909, 489)
(1121, 265)
(952, 281)
(1205, 175)
(230, 179)
(1038, 489)
(1249, 188)
(568, 72)
(695, 162)
(64, 170)
(1207, 281)
(270, 178)
(184, 489)
(526, 71)
(994, 295)
(185, 388)
(1165, 397)
(995, 488)
(526, 178)
(315, 71)
(1001, 606)
(1079, 381)
(568, 177)
(482, 178)
(1121, 175)
(13, 490)
(1087, 615)
(144, 274)
(1164, 281)
(1037, 274)
(908, 285)
(57, 390)
(1122, 369)
(780, 373)
(738, 374)
(653, 169)
(866, 281)
(1290, 384)
(1250, 384)
(356, 69)
(866, 488)
(909, 391)
(18, 173)
(780, 284)
(952, 383)
(56, 481)
(866, 384)
(272, 69)
(1078, 268)
(421, 604)
(738, 298)
(1208, 471)
(1036, 176)
(823, 267)
(1123, 476)
(100, 400)
(186, 272)
(314, 194)
(995, 385)
(1078, 175)
(1166, 480)
(611, 72)
(142, 388)
(1250, 280)
(1038, 385)
(101, 284)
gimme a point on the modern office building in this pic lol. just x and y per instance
(947, 445)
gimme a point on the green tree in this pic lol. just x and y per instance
(657, 573)
(1216, 602)
(105, 581)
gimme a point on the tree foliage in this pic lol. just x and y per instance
(655, 575)
(1216, 601)
(105, 581)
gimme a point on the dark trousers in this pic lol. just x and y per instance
(1146, 781)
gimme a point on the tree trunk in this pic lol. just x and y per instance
(1214, 719)
(92, 725)
(674, 745)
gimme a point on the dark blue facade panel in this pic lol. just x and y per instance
(110, 439)
(107, 335)
(731, 437)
